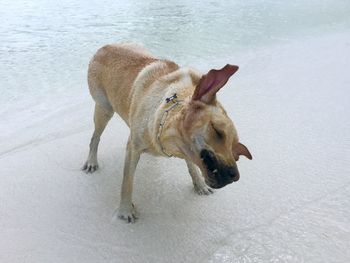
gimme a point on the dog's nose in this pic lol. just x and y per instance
(219, 173)
(233, 173)
(226, 175)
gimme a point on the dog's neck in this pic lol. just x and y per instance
(168, 143)
(170, 115)
(173, 102)
(169, 124)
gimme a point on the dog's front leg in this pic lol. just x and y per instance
(127, 209)
(200, 186)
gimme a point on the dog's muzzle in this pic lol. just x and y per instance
(218, 174)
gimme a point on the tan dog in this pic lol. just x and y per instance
(171, 111)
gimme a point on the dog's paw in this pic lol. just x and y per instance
(202, 189)
(90, 167)
(127, 213)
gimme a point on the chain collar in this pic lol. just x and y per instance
(175, 102)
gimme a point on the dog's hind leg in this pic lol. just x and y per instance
(101, 118)
(200, 187)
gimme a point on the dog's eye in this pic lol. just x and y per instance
(218, 133)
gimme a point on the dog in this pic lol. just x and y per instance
(170, 110)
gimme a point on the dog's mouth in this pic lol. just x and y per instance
(217, 174)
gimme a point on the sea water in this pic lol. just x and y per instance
(46, 45)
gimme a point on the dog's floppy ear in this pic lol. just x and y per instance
(241, 149)
(212, 82)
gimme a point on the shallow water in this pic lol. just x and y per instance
(46, 45)
(292, 203)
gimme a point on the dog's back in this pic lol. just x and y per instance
(113, 71)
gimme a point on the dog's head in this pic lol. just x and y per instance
(210, 135)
